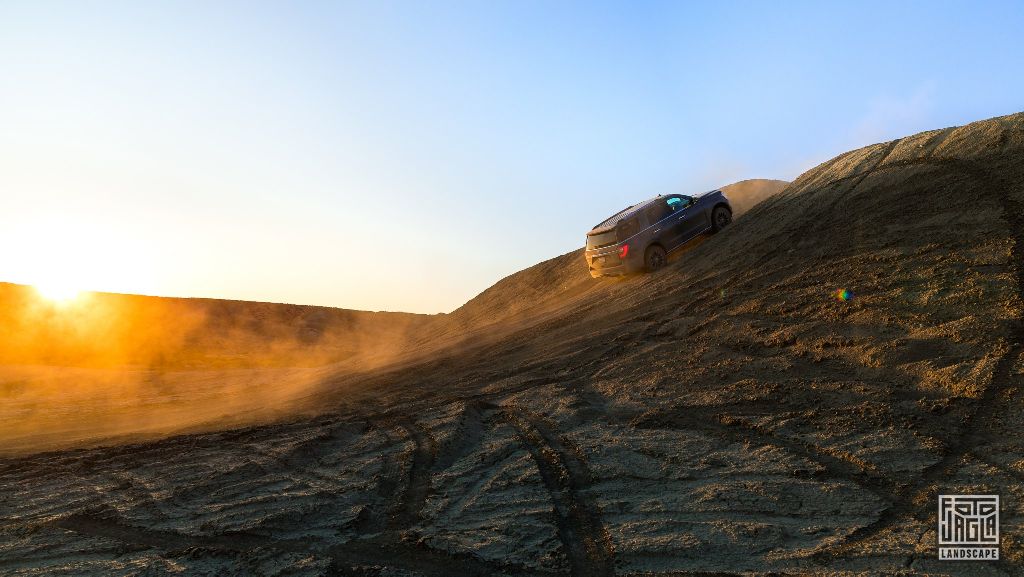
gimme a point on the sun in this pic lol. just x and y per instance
(58, 293)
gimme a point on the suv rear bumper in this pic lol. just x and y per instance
(615, 266)
(618, 270)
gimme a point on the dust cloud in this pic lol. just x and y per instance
(123, 367)
(743, 195)
(118, 368)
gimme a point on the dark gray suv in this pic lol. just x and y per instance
(640, 237)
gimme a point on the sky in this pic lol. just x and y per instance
(405, 156)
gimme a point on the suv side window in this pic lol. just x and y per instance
(657, 211)
(628, 227)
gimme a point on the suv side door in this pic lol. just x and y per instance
(660, 225)
(687, 221)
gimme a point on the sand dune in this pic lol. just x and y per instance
(727, 414)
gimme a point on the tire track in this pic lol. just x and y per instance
(407, 511)
(355, 557)
(859, 178)
(565, 474)
(469, 433)
(791, 238)
(698, 573)
(111, 527)
(838, 465)
(386, 515)
(402, 490)
(361, 557)
(1003, 379)
(1004, 469)
(810, 223)
(261, 464)
(373, 518)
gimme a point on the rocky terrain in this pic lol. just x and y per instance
(728, 415)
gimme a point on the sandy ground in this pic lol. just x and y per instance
(727, 415)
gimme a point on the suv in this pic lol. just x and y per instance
(641, 236)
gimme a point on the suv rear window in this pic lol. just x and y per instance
(601, 239)
(623, 230)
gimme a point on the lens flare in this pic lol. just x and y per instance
(843, 295)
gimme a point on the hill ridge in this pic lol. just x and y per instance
(788, 396)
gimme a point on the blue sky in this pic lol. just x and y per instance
(407, 155)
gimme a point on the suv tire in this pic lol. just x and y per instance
(720, 218)
(655, 258)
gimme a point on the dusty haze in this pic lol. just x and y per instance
(120, 367)
(726, 415)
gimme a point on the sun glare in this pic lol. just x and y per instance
(57, 293)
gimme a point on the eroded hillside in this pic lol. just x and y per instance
(109, 368)
(729, 414)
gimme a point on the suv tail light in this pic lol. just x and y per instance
(623, 251)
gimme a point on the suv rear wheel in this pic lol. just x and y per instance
(655, 258)
(720, 218)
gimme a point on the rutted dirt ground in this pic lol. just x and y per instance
(727, 415)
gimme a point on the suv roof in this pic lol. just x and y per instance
(630, 210)
(626, 212)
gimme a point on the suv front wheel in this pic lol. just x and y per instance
(655, 258)
(720, 218)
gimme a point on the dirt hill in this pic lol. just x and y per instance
(130, 331)
(743, 195)
(789, 396)
(119, 331)
(548, 287)
(114, 367)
